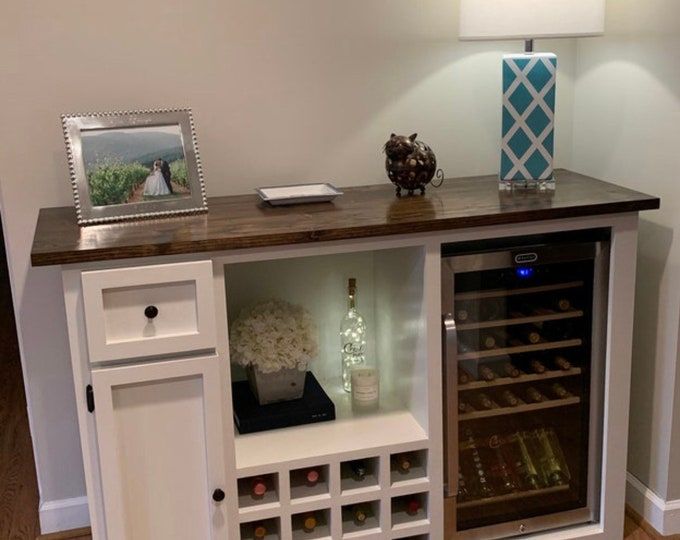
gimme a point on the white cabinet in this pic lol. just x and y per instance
(149, 310)
(160, 438)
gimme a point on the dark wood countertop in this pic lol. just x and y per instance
(245, 222)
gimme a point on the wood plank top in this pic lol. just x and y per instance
(243, 221)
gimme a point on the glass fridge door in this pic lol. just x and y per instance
(527, 371)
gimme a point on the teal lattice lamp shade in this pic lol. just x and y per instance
(529, 89)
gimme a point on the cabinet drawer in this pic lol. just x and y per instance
(149, 310)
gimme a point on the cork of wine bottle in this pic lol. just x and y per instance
(462, 315)
(486, 373)
(312, 477)
(403, 462)
(562, 304)
(258, 486)
(309, 522)
(534, 395)
(260, 531)
(465, 408)
(359, 514)
(562, 363)
(531, 336)
(509, 398)
(537, 366)
(560, 391)
(509, 370)
(487, 341)
(463, 376)
(484, 401)
(412, 506)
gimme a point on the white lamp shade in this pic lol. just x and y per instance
(529, 19)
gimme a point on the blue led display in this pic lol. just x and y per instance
(524, 272)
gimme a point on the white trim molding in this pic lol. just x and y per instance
(63, 515)
(664, 516)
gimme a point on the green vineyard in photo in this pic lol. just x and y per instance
(112, 182)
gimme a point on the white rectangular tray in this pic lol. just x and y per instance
(298, 193)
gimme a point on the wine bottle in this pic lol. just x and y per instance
(412, 506)
(463, 493)
(474, 468)
(463, 376)
(403, 463)
(537, 366)
(530, 336)
(529, 472)
(309, 522)
(509, 398)
(562, 363)
(541, 311)
(465, 408)
(535, 396)
(491, 309)
(360, 514)
(516, 315)
(484, 402)
(462, 315)
(509, 370)
(258, 486)
(260, 531)
(359, 469)
(352, 338)
(501, 470)
(486, 373)
(312, 477)
(552, 459)
(560, 391)
(562, 304)
(487, 341)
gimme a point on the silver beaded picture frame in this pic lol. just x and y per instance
(132, 165)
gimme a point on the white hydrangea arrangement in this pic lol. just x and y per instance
(273, 335)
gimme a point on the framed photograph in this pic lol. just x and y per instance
(134, 165)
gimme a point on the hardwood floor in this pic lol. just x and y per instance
(18, 485)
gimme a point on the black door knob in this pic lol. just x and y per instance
(218, 495)
(150, 312)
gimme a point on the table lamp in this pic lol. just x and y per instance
(529, 79)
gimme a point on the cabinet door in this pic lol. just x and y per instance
(160, 438)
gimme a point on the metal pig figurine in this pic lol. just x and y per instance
(410, 164)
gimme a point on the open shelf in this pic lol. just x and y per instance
(542, 346)
(348, 433)
(272, 526)
(391, 297)
(403, 516)
(508, 497)
(322, 528)
(527, 407)
(417, 470)
(523, 378)
(248, 500)
(302, 490)
(530, 319)
(351, 483)
(501, 293)
(351, 528)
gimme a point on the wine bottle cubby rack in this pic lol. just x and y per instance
(383, 495)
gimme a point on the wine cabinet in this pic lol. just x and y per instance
(523, 368)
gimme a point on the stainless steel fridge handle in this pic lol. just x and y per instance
(450, 346)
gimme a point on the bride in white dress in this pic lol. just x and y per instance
(155, 183)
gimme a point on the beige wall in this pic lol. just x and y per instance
(627, 129)
(282, 92)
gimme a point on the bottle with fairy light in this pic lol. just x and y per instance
(352, 338)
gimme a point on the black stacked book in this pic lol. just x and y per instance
(251, 417)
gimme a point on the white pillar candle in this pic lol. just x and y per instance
(365, 388)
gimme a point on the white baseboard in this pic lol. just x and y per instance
(63, 515)
(664, 516)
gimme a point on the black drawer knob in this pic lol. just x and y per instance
(151, 312)
(218, 495)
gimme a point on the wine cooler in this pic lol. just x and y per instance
(524, 323)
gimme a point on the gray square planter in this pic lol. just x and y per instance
(282, 385)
